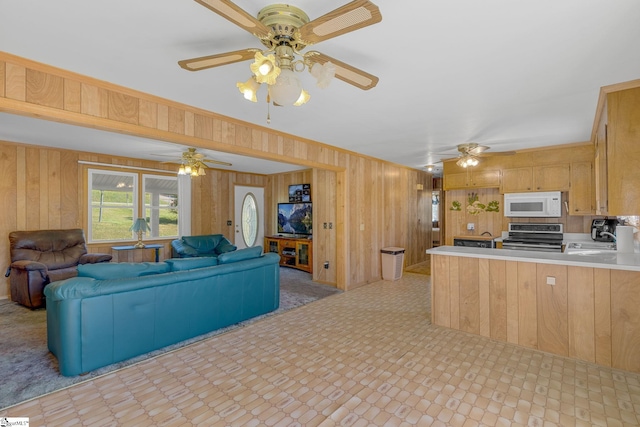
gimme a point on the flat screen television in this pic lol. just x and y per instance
(295, 218)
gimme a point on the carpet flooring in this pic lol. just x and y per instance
(28, 369)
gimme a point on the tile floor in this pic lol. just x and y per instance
(365, 357)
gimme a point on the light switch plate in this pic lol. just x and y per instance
(551, 280)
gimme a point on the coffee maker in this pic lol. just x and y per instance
(598, 226)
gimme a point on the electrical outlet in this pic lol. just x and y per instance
(471, 226)
(551, 280)
(326, 265)
(229, 223)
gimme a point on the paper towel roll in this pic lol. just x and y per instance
(624, 238)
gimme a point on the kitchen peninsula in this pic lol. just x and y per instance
(581, 306)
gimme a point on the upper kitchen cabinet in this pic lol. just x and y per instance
(581, 193)
(600, 165)
(536, 178)
(621, 136)
(477, 178)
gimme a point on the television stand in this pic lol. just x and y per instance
(295, 252)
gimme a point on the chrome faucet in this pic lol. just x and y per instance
(606, 233)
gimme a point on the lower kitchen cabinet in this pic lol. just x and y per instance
(584, 313)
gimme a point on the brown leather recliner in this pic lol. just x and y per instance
(44, 256)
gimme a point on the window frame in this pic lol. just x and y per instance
(138, 200)
(143, 204)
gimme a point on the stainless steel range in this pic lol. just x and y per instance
(534, 237)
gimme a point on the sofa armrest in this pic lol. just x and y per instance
(94, 258)
(29, 266)
(181, 250)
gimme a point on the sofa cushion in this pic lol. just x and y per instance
(225, 246)
(121, 270)
(203, 244)
(240, 255)
(180, 264)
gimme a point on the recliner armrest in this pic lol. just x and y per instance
(94, 258)
(29, 265)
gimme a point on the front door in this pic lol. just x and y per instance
(249, 216)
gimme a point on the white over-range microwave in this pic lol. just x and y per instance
(533, 205)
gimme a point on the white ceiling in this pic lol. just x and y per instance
(503, 73)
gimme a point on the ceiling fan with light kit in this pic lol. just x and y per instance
(470, 152)
(193, 163)
(285, 31)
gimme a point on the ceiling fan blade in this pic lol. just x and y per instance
(345, 72)
(216, 162)
(350, 17)
(238, 16)
(497, 153)
(204, 62)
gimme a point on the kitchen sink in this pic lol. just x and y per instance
(589, 248)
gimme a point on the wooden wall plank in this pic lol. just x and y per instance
(469, 295)
(552, 317)
(513, 315)
(498, 299)
(44, 89)
(33, 189)
(2, 78)
(189, 123)
(625, 316)
(147, 113)
(454, 291)
(16, 82)
(21, 188)
(54, 208)
(581, 313)
(176, 120)
(71, 194)
(527, 305)
(94, 101)
(123, 108)
(72, 96)
(602, 315)
(43, 189)
(484, 296)
(203, 127)
(440, 296)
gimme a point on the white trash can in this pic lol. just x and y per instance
(392, 262)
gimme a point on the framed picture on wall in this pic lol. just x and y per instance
(306, 192)
(295, 193)
(300, 193)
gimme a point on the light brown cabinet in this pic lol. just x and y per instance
(600, 169)
(294, 252)
(581, 312)
(621, 135)
(536, 178)
(581, 195)
(472, 179)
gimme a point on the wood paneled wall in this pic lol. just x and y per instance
(372, 199)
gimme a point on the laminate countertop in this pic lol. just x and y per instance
(609, 260)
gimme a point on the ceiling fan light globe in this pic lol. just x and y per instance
(304, 98)
(287, 88)
(249, 89)
(265, 69)
(187, 170)
(182, 171)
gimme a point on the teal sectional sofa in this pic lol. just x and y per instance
(116, 311)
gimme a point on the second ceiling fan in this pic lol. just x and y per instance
(285, 31)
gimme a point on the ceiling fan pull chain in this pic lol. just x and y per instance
(268, 110)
